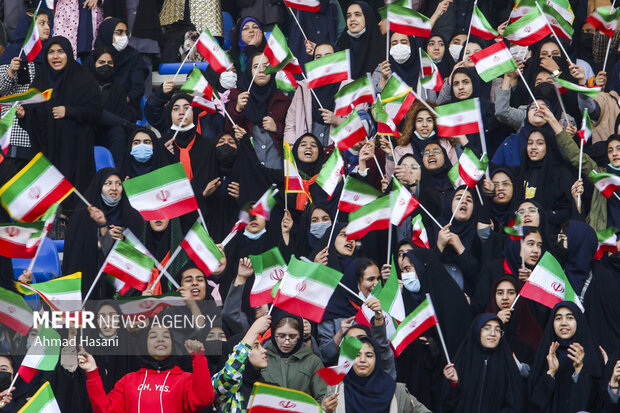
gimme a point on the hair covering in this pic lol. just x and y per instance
(305, 241)
(581, 245)
(19, 36)
(132, 168)
(308, 170)
(409, 70)
(445, 64)
(502, 212)
(241, 51)
(466, 230)
(277, 317)
(260, 96)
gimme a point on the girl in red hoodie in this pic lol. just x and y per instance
(148, 390)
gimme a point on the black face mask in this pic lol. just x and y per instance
(558, 250)
(225, 155)
(5, 380)
(545, 91)
(587, 41)
(105, 73)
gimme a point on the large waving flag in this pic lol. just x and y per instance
(403, 203)
(607, 242)
(210, 49)
(272, 399)
(29, 97)
(605, 19)
(129, 265)
(43, 401)
(356, 194)
(373, 216)
(529, 29)
(431, 78)
(355, 93)
(605, 182)
(329, 69)
(61, 294)
(15, 312)
(349, 349)
(279, 55)
(348, 133)
(494, 61)
(480, 26)
(30, 193)
(385, 123)
(20, 240)
(269, 269)
(408, 21)
(460, 118)
(522, 7)
(42, 355)
(416, 323)
(201, 249)
(293, 183)
(165, 193)
(419, 236)
(6, 127)
(263, 207)
(32, 44)
(330, 174)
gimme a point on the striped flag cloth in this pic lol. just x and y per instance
(559, 25)
(306, 289)
(514, 229)
(605, 19)
(403, 202)
(373, 216)
(20, 240)
(28, 97)
(6, 127)
(397, 98)
(210, 49)
(356, 194)
(201, 249)
(305, 5)
(528, 30)
(431, 78)
(61, 294)
(349, 349)
(279, 55)
(548, 285)
(419, 236)
(607, 242)
(348, 133)
(460, 118)
(416, 323)
(148, 306)
(129, 265)
(42, 355)
(470, 169)
(355, 93)
(586, 127)
(266, 398)
(34, 189)
(263, 207)
(131, 239)
(407, 21)
(330, 174)
(286, 81)
(605, 182)
(390, 296)
(329, 69)
(32, 44)
(480, 26)
(43, 401)
(197, 85)
(15, 312)
(293, 183)
(494, 61)
(588, 91)
(385, 123)
(269, 269)
(408, 4)
(522, 7)
(164, 193)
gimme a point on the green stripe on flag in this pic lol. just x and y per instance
(588, 91)
(315, 272)
(606, 234)
(126, 250)
(42, 401)
(350, 347)
(158, 177)
(283, 393)
(21, 181)
(268, 259)
(458, 107)
(66, 284)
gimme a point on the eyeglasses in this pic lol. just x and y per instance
(498, 331)
(434, 152)
(522, 212)
(502, 184)
(121, 32)
(291, 338)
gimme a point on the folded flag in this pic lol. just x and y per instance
(149, 306)
(385, 123)
(20, 240)
(263, 207)
(201, 249)
(419, 236)
(431, 78)
(607, 242)
(348, 133)
(397, 96)
(165, 193)
(605, 182)
(6, 127)
(61, 294)
(470, 169)
(285, 81)
(293, 183)
(244, 219)
(480, 26)
(407, 21)
(356, 194)
(416, 323)
(34, 189)
(129, 265)
(588, 91)
(353, 94)
(279, 55)
(494, 61)
(605, 19)
(210, 49)
(586, 127)
(32, 44)
(349, 349)
(269, 269)
(197, 85)
(403, 203)
(529, 29)
(330, 174)
(42, 355)
(373, 216)
(460, 118)
(306, 289)
(329, 69)
(514, 229)
(43, 401)
(15, 312)
(390, 296)
(305, 5)
(28, 97)
(266, 398)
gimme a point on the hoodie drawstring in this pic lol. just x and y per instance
(161, 392)
(142, 388)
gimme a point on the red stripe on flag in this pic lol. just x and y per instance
(27, 373)
(599, 26)
(38, 46)
(489, 51)
(13, 250)
(352, 139)
(428, 323)
(603, 249)
(534, 292)
(171, 211)
(330, 376)
(609, 190)
(345, 206)
(376, 225)
(404, 108)
(409, 30)
(482, 34)
(261, 298)
(466, 178)
(125, 277)
(196, 258)
(297, 306)
(303, 7)
(534, 37)
(15, 324)
(62, 190)
(328, 79)
(211, 58)
(462, 129)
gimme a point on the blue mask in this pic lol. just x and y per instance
(251, 236)
(142, 152)
(318, 229)
(411, 281)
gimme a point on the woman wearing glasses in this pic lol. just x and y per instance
(483, 377)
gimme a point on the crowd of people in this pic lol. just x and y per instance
(507, 353)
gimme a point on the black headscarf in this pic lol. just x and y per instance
(279, 315)
(260, 96)
(132, 168)
(368, 50)
(502, 212)
(409, 70)
(306, 242)
(582, 244)
(308, 170)
(446, 63)
(373, 393)
(438, 176)
(466, 230)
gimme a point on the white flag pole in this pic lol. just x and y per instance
(260, 62)
(443, 342)
(553, 33)
(580, 165)
(458, 205)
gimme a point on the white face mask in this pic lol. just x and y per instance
(400, 52)
(120, 43)
(358, 34)
(455, 51)
(182, 128)
(411, 281)
(228, 80)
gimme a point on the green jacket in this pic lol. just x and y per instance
(597, 218)
(295, 372)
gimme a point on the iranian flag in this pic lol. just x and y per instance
(269, 269)
(460, 118)
(129, 265)
(293, 183)
(42, 355)
(607, 183)
(522, 7)
(61, 294)
(471, 169)
(210, 49)
(330, 174)
(32, 44)
(197, 85)
(354, 93)
(586, 127)
(548, 285)
(306, 289)
(529, 29)
(390, 296)
(30, 193)
(494, 61)
(15, 312)
(419, 236)
(373, 216)
(455, 177)
(588, 91)
(607, 242)
(266, 398)
(148, 306)
(279, 55)
(348, 133)
(397, 98)
(407, 21)
(329, 69)
(356, 194)
(431, 78)
(43, 401)
(403, 203)
(385, 123)
(6, 127)
(20, 240)
(605, 19)
(286, 81)
(514, 229)
(416, 323)
(481, 27)
(28, 97)
(305, 5)
(263, 207)
(559, 25)
(203, 103)
(201, 249)
(349, 349)
(164, 193)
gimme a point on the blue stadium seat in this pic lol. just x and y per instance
(103, 158)
(229, 23)
(45, 268)
(60, 244)
(143, 121)
(171, 68)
